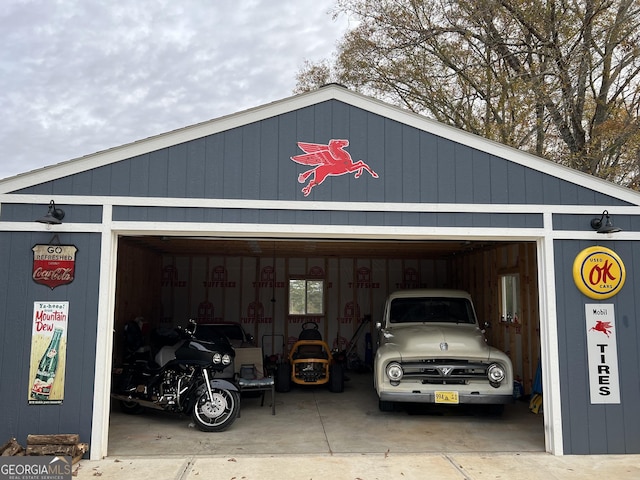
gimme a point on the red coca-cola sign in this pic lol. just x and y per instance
(54, 265)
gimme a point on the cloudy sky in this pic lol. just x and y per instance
(80, 76)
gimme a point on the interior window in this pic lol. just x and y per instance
(306, 297)
(509, 298)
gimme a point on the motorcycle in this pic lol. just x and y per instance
(181, 379)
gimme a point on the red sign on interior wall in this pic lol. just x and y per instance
(54, 265)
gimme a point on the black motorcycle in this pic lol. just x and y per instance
(181, 379)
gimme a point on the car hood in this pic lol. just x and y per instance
(429, 340)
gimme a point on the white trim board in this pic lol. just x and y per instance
(127, 201)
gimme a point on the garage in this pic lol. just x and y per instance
(212, 221)
(165, 279)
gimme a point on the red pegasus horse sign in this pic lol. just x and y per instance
(327, 160)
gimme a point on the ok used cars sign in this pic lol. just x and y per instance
(598, 272)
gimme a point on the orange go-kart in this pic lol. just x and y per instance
(310, 362)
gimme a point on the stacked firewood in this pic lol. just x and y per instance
(61, 444)
(12, 449)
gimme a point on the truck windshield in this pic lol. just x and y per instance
(431, 310)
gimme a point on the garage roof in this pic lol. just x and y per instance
(318, 125)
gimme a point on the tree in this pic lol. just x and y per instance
(558, 78)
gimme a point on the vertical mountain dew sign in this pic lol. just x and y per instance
(48, 352)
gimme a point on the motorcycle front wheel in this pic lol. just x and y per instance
(216, 414)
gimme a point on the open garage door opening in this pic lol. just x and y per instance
(164, 281)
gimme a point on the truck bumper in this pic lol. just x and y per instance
(429, 397)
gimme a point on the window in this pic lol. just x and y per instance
(431, 309)
(306, 297)
(509, 298)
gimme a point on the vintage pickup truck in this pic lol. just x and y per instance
(432, 350)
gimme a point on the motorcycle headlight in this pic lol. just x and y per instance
(394, 371)
(495, 374)
(226, 359)
(217, 358)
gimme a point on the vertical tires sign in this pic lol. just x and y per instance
(48, 353)
(602, 351)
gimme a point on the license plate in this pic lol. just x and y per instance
(447, 397)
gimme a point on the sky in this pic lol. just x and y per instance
(81, 76)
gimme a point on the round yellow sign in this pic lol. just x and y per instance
(598, 272)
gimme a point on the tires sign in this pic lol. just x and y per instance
(602, 353)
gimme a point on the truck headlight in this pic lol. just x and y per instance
(495, 374)
(394, 371)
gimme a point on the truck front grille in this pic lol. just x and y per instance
(441, 372)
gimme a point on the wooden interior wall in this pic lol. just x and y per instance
(138, 288)
(139, 293)
(479, 272)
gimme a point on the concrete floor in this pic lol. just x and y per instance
(314, 421)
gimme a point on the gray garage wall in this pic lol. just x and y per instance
(18, 292)
(253, 162)
(587, 428)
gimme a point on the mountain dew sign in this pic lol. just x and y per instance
(48, 352)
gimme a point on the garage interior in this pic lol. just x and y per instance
(169, 279)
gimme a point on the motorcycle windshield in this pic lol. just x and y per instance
(212, 336)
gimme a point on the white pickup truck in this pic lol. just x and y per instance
(432, 350)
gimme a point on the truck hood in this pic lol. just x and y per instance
(422, 340)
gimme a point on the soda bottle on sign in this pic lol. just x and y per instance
(47, 368)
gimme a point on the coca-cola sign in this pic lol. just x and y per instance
(54, 265)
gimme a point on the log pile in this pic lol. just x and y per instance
(12, 449)
(60, 444)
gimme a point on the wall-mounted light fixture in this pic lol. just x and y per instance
(54, 216)
(606, 227)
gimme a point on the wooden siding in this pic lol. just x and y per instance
(591, 428)
(253, 162)
(19, 212)
(18, 292)
(137, 290)
(479, 273)
(320, 217)
(629, 223)
(355, 287)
